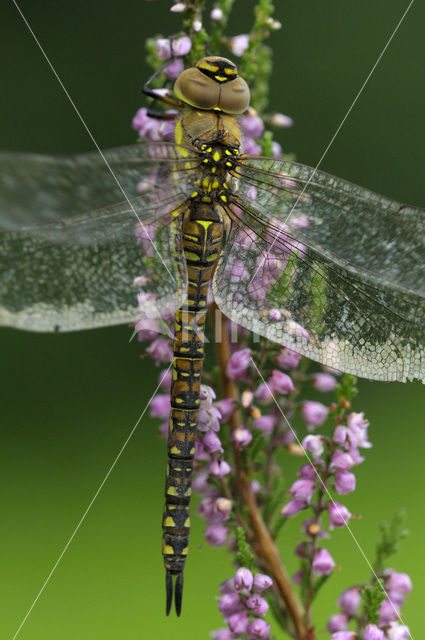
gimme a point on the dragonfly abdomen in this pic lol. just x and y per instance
(202, 236)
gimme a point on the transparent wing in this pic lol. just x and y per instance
(60, 270)
(341, 220)
(309, 283)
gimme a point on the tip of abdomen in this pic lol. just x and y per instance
(178, 591)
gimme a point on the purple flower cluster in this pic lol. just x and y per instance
(243, 607)
(397, 586)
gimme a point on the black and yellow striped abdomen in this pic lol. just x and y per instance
(202, 237)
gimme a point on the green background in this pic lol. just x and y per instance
(70, 401)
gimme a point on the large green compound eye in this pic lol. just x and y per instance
(213, 84)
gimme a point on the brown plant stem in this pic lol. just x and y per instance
(266, 546)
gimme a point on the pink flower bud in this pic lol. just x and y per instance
(292, 507)
(324, 382)
(216, 535)
(342, 460)
(160, 406)
(345, 482)
(241, 437)
(257, 604)
(262, 582)
(288, 359)
(280, 382)
(337, 622)
(259, 628)
(238, 364)
(238, 622)
(302, 490)
(323, 563)
(398, 632)
(338, 515)
(243, 579)
(314, 413)
(219, 468)
(349, 601)
(230, 603)
(314, 444)
(372, 632)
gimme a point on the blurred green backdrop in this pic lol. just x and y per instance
(70, 401)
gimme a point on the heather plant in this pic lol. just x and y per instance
(260, 406)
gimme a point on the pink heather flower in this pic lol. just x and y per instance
(252, 126)
(323, 563)
(181, 46)
(208, 418)
(342, 436)
(222, 634)
(276, 149)
(219, 468)
(372, 632)
(274, 314)
(280, 382)
(216, 14)
(179, 7)
(307, 472)
(216, 534)
(262, 582)
(251, 148)
(259, 628)
(280, 120)
(265, 424)
(337, 622)
(387, 613)
(314, 413)
(230, 603)
(288, 359)
(238, 622)
(160, 406)
(223, 507)
(257, 604)
(292, 507)
(165, 379)
(228, 586)
(160, 350)
(344, 635)
(238, 44)
(226, 408)
(241, 437)
(398, 582)
(398, 632)
(324, 382)
(345, 482)
(338, 515)
(302, 490)
(243, 580)
(341, 460)
(211, 442)
(174, 69)
(314, 444)
(263, 393)
(358, 426)
(238, 364)
(349, 600)
(200, 483)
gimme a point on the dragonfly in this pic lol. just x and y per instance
(307, 260)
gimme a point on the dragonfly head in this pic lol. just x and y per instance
(213, 84)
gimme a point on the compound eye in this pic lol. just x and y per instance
(234, 96)
(197, 89)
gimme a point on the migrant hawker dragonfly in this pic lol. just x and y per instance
(305, 259)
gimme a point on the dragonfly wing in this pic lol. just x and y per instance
(283, 285)
(37, 188)
(348, 223)
(79, 272)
